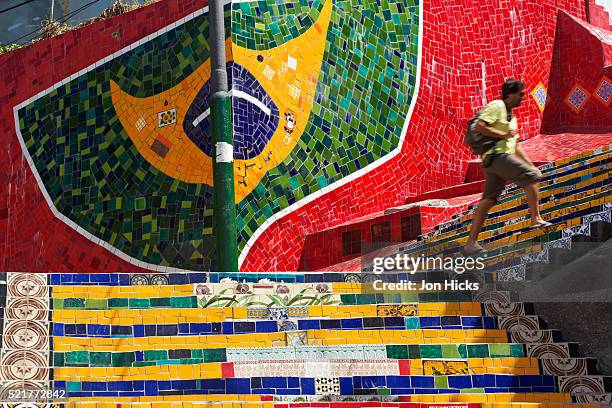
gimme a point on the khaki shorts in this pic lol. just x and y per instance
(503, 168)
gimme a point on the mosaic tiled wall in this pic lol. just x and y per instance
(123, 150)
(580, 93)
(600, 13)
(106, 124)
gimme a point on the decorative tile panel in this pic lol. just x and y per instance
(577, 98)
(539, 95)
(603, 91)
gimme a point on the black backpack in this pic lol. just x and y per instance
(477, 142)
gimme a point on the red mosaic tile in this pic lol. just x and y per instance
(32, 238)
(450, 92)
(577, 68)
(598, 16)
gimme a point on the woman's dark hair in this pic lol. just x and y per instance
(512, 86)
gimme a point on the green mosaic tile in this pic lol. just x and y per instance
(441, 381)
(77, 358)
(118, 303)
(143, 363)
(462, 348)
(517, 350)
(154, 355)
(184, 302)
(450, 351)
(214, 355)
(499, 350)
(399, 352)
(96, 304)
(58, 359)
(123, 359)
(74, 303)
(472, 391)
(478, 350)
(135, 303)
(414, 351)
(160, 302)
(431, 351)
(100, 359)
(409, 297)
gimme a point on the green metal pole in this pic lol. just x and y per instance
(222, 137)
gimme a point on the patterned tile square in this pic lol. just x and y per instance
(327, 386)
(540, 95)
(603, 91)
(577, 98)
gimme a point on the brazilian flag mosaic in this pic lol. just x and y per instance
(320, 90)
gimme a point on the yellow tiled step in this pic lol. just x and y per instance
(542, 231)
(540, 400)
(107, 292)
(494, 398)
(154, 291)
(503, 365)
(210, 315)
(210, 404)
(313, 338)
(175, 401)
(524, 236)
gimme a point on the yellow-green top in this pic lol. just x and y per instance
(496, 116)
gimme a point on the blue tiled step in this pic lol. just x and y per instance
(124, 279)
(241, 327)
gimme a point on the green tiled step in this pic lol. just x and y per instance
(198, 356)
(180, 302)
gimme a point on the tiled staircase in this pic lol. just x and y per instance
(328, 339)
(575, 196)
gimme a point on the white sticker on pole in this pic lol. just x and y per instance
(224, 152)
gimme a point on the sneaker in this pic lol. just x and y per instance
(471, 249)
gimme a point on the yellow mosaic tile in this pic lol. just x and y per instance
(161, 372)
(148, 316)
(495, 398)
(161, 342)
(105, 292)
